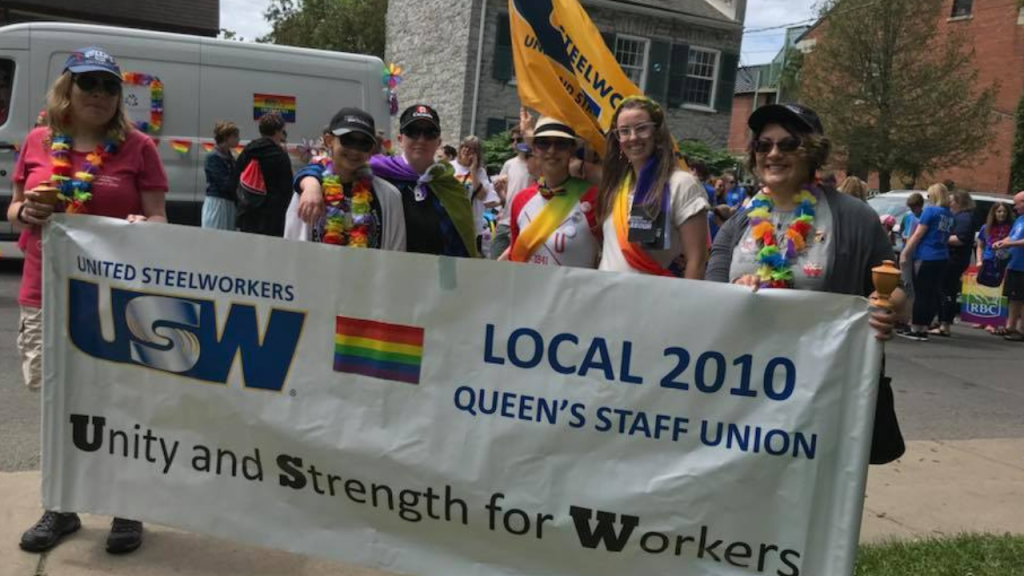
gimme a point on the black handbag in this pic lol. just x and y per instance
(991, 272)
(887, 441)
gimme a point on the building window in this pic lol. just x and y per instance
(631, 52)
(962, 8)
(700, 77)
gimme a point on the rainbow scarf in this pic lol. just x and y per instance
(550, 218)
(637, 258)
(440, 179)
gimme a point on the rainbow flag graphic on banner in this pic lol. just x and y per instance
(378, 350)
(208, 146)
(263, 104)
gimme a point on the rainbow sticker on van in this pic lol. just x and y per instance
(263, 104)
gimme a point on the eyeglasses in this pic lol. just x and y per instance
(559, 144)
(358, 143)
(95, 82)
(518, 140)
(787, 145)
(424, 133)
(642, 131)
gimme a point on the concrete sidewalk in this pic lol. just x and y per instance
(938, 488)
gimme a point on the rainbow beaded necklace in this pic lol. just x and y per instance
(347, 218)
(75, 188)
(775, 261)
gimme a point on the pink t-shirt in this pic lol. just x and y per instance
(116, 192)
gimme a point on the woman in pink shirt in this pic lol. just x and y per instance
(87, 159)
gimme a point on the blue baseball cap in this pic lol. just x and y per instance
(92, 59)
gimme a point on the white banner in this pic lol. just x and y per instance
(437, 416)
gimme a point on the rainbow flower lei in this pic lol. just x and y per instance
(348, 218)
(75, 188)
(775, 270)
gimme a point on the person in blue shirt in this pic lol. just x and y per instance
(700, 171)
(960, 242)
(1013, 286)
(734, 193)
(928, 250)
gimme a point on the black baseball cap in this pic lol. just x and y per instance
(419, 113)
(349, 120)
(789, 113)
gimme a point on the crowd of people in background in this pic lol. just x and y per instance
(630, 207)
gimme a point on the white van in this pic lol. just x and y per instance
(203, 80)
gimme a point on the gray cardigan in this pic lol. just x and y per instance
(859, 243)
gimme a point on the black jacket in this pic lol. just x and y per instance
(264, 214)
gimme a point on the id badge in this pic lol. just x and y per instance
(652, 234)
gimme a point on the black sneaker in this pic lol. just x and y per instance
(917, 336)
(48, 532)
(125, 536)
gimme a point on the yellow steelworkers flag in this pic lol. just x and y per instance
(563, 67)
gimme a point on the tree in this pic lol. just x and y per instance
(356, 26)
(718, 160)
(1017, 164)
(789, 77)
(227, 34)
(894, 94)
(497, 150)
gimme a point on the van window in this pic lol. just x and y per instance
(6, 88)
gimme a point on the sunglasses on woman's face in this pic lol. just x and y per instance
(559, 144)
(98, 82)
(358, 143)
(787, 145)
(417, 133)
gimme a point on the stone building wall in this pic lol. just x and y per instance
(430, 40)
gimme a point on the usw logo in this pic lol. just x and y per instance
(180, 335)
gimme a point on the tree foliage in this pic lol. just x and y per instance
(356, 26)
(497, 150)
(1017, 163)
(895, 95)
(718, 160)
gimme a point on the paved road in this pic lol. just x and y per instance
(969, 386)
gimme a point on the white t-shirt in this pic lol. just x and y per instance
(518, 179)
(573, 243)
(392, 212)
(687, 199)
(490, 196)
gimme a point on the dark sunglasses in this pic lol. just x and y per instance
(358, 143)
(787, 145)
(424, 133)
(518, 140)
(559, 144)
(96, 82)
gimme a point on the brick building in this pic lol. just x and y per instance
(756, 86)
(995, 28)
(198, 17)
(458, 58)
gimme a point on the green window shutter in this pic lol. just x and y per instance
(609, 41)
(658, 70)
(495, 126)
(503, 66)
(677, 75)
(728, 62)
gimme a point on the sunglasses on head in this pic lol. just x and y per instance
(360, 143)
(787, 145)
(559, 144)
(425, 133)
(98, 82)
